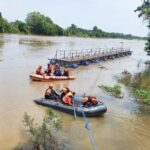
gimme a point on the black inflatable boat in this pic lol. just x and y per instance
(92, 111)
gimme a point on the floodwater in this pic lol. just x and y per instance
(126, 124)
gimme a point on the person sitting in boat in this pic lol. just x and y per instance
(39, 70)
(89, 101)
(55, 68)
(63, 91)
(50, 93)
(66, 72)
(94, 100)
(48, 70)
(67, 99)
(58, 72)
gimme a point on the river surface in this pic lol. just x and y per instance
(126, 124)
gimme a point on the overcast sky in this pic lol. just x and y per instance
(108, 15)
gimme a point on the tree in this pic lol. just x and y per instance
(95, 28)
(22, 27)
(40, 24)
(144, 11)
(1, 23)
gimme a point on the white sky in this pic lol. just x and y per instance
(108, 15)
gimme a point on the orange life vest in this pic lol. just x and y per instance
(67, 99)
(39, 71)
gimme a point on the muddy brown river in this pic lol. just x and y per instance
(126, 124)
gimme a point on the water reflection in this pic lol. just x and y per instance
(2, 43)
(35, 42)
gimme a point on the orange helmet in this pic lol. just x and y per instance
(94, 99)
(51, 86)
(69, 94)
(85, 99)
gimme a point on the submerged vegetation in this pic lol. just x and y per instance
(115, 90)
(41, 135)
(35, 42)
(36, 23)
(139, 83)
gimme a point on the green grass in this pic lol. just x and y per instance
(144, 95)
(115, 90)
(139, 83)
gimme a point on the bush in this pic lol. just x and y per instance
(41, 135)
(143, 94)
(125, 77)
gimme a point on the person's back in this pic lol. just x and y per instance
(48, 70)
(39, 70)
(66, 72)
(48, 93)
(58, 72)
(51, 93)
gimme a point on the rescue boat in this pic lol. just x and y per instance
(46, 78)
(77, 108)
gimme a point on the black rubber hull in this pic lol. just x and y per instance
(89, 112)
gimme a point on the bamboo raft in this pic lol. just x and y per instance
(84, 57)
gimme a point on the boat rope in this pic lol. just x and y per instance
(87, 125)
(89, 131)
(74, 109)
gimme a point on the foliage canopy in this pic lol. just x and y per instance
(37, 23)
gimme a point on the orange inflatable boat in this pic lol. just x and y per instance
(46, 78)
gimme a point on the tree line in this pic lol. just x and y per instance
(37, 23)
(144, 11)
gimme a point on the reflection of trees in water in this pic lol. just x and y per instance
(1, 47)
(35, 45)
(1, 43)
(35, 42)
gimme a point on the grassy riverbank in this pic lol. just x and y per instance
(139, 84)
